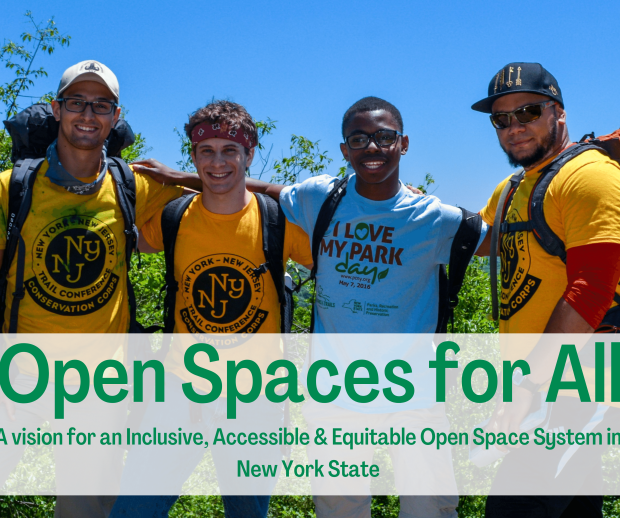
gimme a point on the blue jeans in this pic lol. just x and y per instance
(158, 506)
(143, 469)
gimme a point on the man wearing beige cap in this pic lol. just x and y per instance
(81, 286)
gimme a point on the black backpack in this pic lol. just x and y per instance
(461, 252)
(32, 131)
(273, 224)
(537, 225)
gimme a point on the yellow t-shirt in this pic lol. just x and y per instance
(582, 206)
(218, 292)
(75, 275)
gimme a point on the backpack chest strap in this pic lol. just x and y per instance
(519, 226)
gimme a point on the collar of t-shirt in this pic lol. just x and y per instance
(373, 205)
(60, 176)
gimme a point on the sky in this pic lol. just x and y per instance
(303, 64)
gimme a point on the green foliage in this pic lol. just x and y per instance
(19, 57)
(137, 151)
(197, 506)
(472, 315)
(185, 164)
(6, 143)
(426, 183)
(147, 277)
(305, 156)
(27, 506)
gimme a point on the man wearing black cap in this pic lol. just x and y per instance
(559, 222)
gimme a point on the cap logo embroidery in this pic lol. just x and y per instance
(519, 83)
(496, 81)
(501, 80)
(509, 82)
(553, 90)
(91, 66)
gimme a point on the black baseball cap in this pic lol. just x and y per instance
(520, 77)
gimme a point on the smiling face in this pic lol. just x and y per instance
(221, 164)
(86, 130)
(528, 145)
(376, 167)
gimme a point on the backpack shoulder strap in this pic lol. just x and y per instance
(547, 239)
(170, 222)
(20, 199)
(126, 187)
(500, 214)
(273, 225)
(461, 252)
(463, 248)
(536, 223)
(126, 197)
(326, 213)
(324, 218)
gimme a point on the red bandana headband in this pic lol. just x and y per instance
(205, 130)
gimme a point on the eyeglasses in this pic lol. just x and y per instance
(383, 138)
(524, 115)
(73, 104)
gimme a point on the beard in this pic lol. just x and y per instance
(538, 154)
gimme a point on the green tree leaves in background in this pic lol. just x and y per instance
(19, 57)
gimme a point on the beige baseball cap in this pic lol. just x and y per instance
(89, 70)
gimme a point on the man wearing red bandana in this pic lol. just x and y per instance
(218, 245)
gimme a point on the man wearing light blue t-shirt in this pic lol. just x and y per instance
(378, 269)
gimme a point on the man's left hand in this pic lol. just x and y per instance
(415, 190)
(157, 171)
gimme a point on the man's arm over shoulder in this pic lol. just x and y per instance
(165, 175)
(297, 245)
(302, 202)
(151, 196)
(270, 189)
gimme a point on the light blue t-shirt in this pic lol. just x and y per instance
(378, 272)
(378, 267)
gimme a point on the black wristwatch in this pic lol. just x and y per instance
(519, 380)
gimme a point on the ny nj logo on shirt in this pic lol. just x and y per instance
(73, 259)
(222, 295)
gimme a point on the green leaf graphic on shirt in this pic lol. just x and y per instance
(383, 274)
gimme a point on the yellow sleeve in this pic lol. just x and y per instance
(488, 212)
(5, 178)
(151, 231)
(588, 202)
(296, 244)
(151, 196)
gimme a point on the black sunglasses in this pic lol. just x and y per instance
(76, 105)
(524, 115)
(383, 138)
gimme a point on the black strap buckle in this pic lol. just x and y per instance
(133, 232)
(19, 295)
(261, 269)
